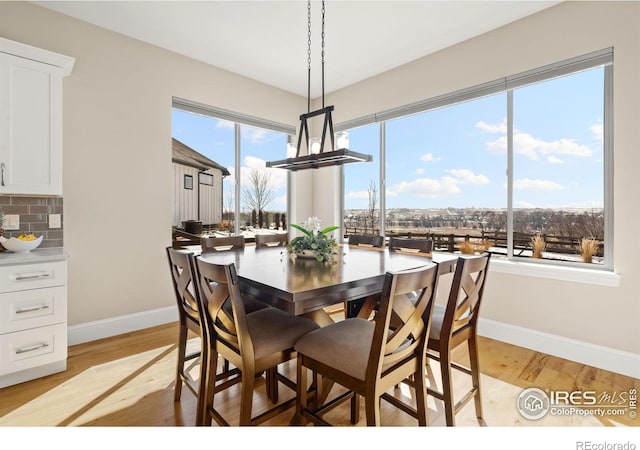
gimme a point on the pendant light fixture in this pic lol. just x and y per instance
(316, 156)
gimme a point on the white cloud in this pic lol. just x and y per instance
(278, 177)
(426, 187)
(554, 160)
(466, 176)
(497, 128)
(533, 148)
(358, 195)
(538, 185)
(256, 135)
(428, 157)
(419, 171)
(597, 129)
(225, 124)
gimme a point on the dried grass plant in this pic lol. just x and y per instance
(538, 244)
(484, 245)
(467, 247)
(587, 248)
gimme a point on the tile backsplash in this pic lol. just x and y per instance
(34, 217)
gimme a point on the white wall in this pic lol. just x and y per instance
(117, 106)
(117, 126)
(598, 315)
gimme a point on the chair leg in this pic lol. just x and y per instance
(447, 388)
(372, 410)
(182, 350)
(355, 409)
(420, 388)
(272, 384)
(475, 376)
(246, 396)
(202, 387)
(302, 396)
(210, 387)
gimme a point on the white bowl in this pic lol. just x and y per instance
(17, 246)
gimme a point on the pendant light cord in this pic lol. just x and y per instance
(308, 56)
(323, 54)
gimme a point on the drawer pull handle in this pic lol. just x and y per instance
(33, 348)
(31, 309)
(35, 276)
(2, 177)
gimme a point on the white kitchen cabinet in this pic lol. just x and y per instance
(33, 317)
(31, 119)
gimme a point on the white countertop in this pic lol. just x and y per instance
(34, 256)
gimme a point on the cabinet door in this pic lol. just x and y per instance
(30, 127)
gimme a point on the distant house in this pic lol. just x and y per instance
(197, 186)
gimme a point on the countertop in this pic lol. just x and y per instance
(33, 257)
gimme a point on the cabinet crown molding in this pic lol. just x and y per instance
(65, 63)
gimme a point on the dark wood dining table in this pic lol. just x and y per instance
(305, 286)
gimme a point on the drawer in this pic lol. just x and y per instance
(31, 348)
(33, 308)
(33, 276)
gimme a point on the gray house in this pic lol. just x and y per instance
(197, 186)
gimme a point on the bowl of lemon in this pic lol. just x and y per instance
(25, 242)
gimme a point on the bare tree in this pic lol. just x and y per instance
(258, 194)
(229, 208)
(373, 202)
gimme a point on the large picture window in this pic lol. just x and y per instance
(517, 167)
(251, 196)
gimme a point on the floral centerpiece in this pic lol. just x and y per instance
(315, 243)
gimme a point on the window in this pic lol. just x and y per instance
(517, 166)
(238, 185)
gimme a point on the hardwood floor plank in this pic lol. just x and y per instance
(128, 380)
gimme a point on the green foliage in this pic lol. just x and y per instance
(318, 241)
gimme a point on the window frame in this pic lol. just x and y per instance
(238, 119)
(602, 274)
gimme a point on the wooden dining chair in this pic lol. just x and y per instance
(272, 240)
(409, 245)
(221, 244)
(369, 358)
(352, 307)
(182, 277)
(254, 343)
(365, 240)
(455, 324)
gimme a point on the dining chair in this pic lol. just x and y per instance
(409, 245)
(455, 324)
(272, 240)
(221, 244)
(352, 307)
(365, 240)
(369, 358)
(254, 343)
(182, 277)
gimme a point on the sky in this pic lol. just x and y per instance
(451, 157)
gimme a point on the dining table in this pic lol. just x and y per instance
(304, 286)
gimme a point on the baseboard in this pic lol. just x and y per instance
(617, 361)
(90, 331)
(614, 360)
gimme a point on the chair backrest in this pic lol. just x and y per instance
(403, 244)
(463, 305)
(183, 276)
(407, 301)
(272, 240)
(217, 283)
(366, 240)
(221, 244)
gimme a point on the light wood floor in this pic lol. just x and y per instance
(127, 380)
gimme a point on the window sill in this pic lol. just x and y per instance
(553, 272)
